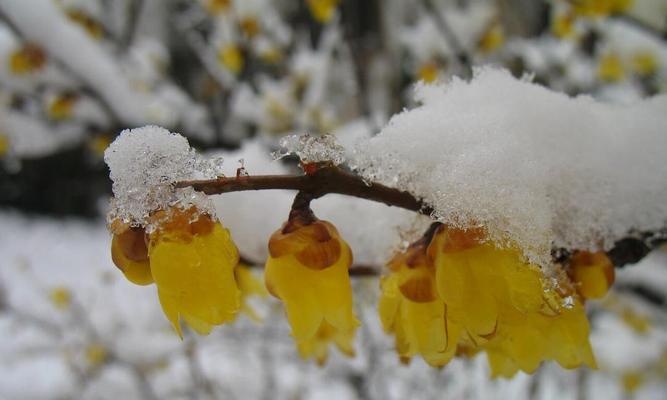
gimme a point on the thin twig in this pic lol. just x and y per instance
(134, 10)
(449, 36)
(325, 180)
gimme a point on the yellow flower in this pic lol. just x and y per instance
(506, 306)
(230, 57)
(562, 25)
(88, 23)
(98, 144)
(493, 38)
(644, 63)
(632, 380)
(322, 10)
(61, 297)
(592, 274)
(217, 6)
(610, 68)
(600, 8)
(129, 253)
(249, 285)
(191, 258)
(96, 354)
(307, 270)
(61, 107)
(410, 308)
(4, 145)
(26, 60)
(250, 26)
(428, 72)
(638, 322)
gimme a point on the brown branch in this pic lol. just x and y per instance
(324, 180)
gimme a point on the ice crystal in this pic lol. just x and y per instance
(144, 164)
(312, 148)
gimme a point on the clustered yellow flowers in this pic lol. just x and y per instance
(454, 292)
(308, 270)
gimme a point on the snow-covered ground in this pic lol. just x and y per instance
(112, 341)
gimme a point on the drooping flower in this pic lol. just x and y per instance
(61, 297)
(592, 273)
(600, 8)
(410, 308)
(4, 145)
(506, 306)
(191, 258)
(28, 59)
(493, 38)
(130, 254)
(231, 58)
(307, 270)
(428, 72)
(322, 10)
(610, 68)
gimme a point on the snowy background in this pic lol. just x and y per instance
(235, 77)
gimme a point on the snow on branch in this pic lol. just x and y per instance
(533, 166)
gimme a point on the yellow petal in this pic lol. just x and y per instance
(130, 255)
(314, 285)
(195, 276)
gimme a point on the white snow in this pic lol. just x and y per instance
(312, 148)
(533, 166)
(143, 165)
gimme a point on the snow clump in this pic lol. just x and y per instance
(144, 164)
(535, 167)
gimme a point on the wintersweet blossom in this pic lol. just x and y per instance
(506, 306)
(453, 292)
(592, 273)
(322, 10)
(191, 258)
(28, 59)
(410, 308)
(307, 269)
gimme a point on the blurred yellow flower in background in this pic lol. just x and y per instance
(322, 10)
(61, 297)
(230, 57)
(28, 59)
